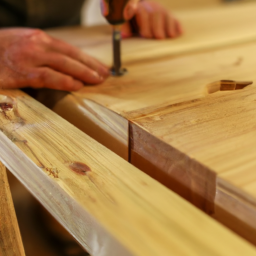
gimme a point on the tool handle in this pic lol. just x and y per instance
(115, 11)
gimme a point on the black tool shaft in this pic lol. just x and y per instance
(117, 49)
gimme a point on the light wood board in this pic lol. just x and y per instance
(204, 29)
(147, 97)
(206, 146)
(109, 206)
(189, 4)
(10, 238)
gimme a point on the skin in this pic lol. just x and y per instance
(152, 19)
(30, 57)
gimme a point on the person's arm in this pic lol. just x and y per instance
(31, 58)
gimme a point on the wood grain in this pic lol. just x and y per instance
(204, 29)
(109, 206)
(152, 86)
(196, 4)
(100, 123)
(188, 4)
(218, 133)
(189, 140)
(10, 238)
(236, 209)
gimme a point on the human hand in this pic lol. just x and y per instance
(153, 21)
(128, 12)
(30, 57)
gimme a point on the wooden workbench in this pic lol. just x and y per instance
(161, 118)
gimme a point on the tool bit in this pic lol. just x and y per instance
(117, 69)
(113, 10)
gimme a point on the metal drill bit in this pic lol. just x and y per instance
(117, 68)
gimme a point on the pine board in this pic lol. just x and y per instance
(108, 205)
(198, 144)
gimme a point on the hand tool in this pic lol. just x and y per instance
(113, 10)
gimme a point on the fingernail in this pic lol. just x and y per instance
(96, 75)
(100, 78)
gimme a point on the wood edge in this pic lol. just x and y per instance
(72, 223)
(196, 184)
(14, 236)
(236, 210)
(102, 124)
(50, 192)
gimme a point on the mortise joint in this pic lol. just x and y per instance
(226, 85)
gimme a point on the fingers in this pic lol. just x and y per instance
(47, 78)
(71, 67)
(130, 9)
(173, 27)
(35, 59)
(76, 54)
(179, 28)
(155, 22)
(143, 18)
(158, 25)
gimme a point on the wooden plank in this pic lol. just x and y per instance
(100, 123)
(108, 205)
(10, 238)
(203, 29)
(188, 4)
(126, 96)
(148, 87)
(209, 141)
(196, 4)
(236, 209)
(172, 116)
(149, 95)
(200, 145)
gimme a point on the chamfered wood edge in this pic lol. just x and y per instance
(100, 123)
(185, 176)
(10, 237)
(229, 205)
(236, 210)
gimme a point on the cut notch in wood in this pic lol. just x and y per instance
(227, 85)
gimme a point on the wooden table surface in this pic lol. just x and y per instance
(161, 118)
